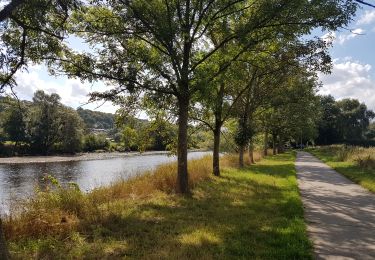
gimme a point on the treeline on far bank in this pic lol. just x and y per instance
(45, 126)
(345, 121)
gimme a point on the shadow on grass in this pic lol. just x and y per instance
(254, 213)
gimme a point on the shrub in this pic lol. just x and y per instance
(96, 142)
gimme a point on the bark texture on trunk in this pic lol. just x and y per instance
(217, 134)
(251, 152)
(265, 151)
(182, 174)
(241, 152)
(280, 146)
(216, 152)
(274, 149)
(4, 253)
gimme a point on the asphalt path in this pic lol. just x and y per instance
(340, 214)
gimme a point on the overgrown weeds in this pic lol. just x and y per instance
(363, 157)
(356, 163)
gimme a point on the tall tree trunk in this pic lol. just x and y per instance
(274, 151)
(182, 174)
(280, 145)
(251, 152)
(265, 151)
(4, 253)
(217, 134)
(241, 152)
(216, 153)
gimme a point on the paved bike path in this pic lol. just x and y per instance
(340, 214)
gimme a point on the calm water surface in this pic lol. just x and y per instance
(20, 180)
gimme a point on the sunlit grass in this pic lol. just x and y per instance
(356, 163)
(252, 213)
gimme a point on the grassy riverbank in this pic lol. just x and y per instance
(356, 163)
(251, 213)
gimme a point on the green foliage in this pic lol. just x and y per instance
(94, 142)
(31, 32)
(42, 126)
(71, 131)
(96, 119)
(14, 123)
(343, 121)
(129, 138)
(45, 121)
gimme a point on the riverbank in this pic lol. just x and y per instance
(73, 158)
(254, 212)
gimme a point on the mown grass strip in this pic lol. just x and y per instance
(360, 175)
(254, 213)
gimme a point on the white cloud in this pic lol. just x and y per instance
(350, 79)
(73, 92)
(367, 18)
(342, 38)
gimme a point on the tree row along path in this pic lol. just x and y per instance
(340, 214)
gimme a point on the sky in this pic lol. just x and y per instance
(352, 76)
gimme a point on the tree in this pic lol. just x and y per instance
(95, 142)
(157, 46)
(354, 119)
(294, 110)
(30, 32)
(45, 121)
(328, 129)
(370, 134)
(129, 138)
(70, 131)
(14, 124)
(343, 120)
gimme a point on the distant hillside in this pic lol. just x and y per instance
(96, 119)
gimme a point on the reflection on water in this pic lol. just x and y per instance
(20, 180)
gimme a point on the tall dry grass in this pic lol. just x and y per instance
(58, 211)
(363, 157)
(232, 161)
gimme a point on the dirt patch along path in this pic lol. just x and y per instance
(339, 213)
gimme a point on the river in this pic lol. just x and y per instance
(20, 180)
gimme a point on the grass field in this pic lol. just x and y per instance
(254, 213)
(357, 164)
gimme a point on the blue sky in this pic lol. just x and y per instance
(353, 72)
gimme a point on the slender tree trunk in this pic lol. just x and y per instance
(182, 174)
(280, 145)
(241, 152)
(274, 151)
(251, 152)
(265, 151)
(4, 253)
(216, 153)
(217, 134)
